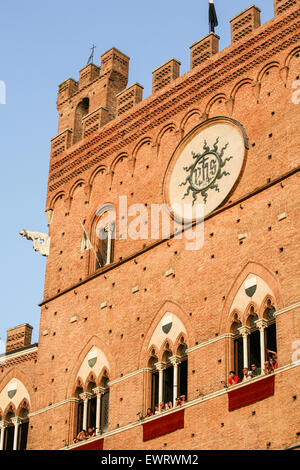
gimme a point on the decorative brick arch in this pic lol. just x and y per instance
(266, 68)
(239, 85)
(99, 169)
(118, 159)
(171, 126)
(59, 195)
(264, 305)
(79, 183)
(90, 378)
(250, 268)
(187, 116)
(23, 404)
(164, 348)
(10, 408)
(213, 100)
(248, 311)
(104, 373)
(78, 384)
(145, 141)
(98, 343)
(167, 306)
(178, 342)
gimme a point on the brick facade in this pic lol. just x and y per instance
(123, 147)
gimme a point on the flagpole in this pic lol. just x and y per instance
(90, 243)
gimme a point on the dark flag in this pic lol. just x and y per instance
(213, 20)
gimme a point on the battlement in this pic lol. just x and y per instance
(100, 95)
(244, 23)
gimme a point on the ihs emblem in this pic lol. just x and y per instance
(205, 172)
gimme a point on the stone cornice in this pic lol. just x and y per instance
(222, 69)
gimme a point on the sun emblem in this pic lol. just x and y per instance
(205, 172)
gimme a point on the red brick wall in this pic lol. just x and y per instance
(248, 82)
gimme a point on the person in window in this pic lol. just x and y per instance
(182, 399)
(273, 364)
(149, 413)
(178, 402)
(162, 406)
(272, 354)
(80, 437)
(266, 368)
(170, 405)
(233, 378)
(156, 410)
(255, 370)
(247, 375)
(91, 432)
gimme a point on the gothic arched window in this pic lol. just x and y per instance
(81, 111)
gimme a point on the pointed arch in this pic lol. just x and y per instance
(192, 112)
(119, 158)
(96, 342)
(59, 195)
(240, 84)
(291, 54)
(23, 405)
(73, 188)
(181, 339)
(145, 141)
(250, 268)
(166, 346)
(266, 68)
(10, 408)
(251, 310)
(213, 100)
(99, 169)
(90, 378)
(171, 126)
(177, 311)
(24, 379)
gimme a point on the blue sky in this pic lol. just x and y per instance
(42, 44)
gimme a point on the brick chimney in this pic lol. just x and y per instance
(18, 337)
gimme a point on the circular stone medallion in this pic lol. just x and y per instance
(205, 168)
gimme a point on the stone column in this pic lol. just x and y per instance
(98, 391)
(175, 361)
(109, 229)
(245, 331)
(16, 422)
(160, 366)
(262, 325)
(3, 425)
(85, 397)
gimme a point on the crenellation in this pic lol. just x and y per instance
(95, 120)
(204, 49)
(244, 23)
(88, 74)
(128, 98)
(66, 90)
(165, 74)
